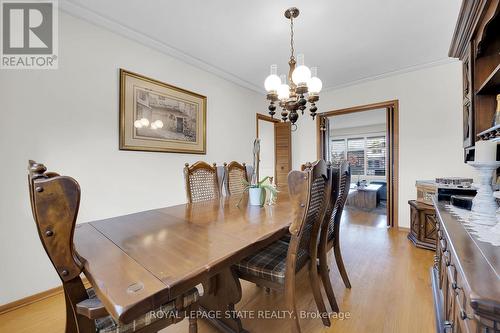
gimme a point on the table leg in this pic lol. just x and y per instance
(222, 292)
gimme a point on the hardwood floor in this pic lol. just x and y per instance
(360, 217)
(390, 292)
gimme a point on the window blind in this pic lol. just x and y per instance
(337, 150)
(356, 155)
(375, 156)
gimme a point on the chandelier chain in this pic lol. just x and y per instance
(292, 46)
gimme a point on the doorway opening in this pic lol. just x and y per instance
(367, 137)
(275, 149)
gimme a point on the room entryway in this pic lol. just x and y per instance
(365, 137)
(275, 149)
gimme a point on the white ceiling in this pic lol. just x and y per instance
(349, 40)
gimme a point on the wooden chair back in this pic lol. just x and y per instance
(309, 195)
(55, 201)
(201, 182)
(341, 183)
(235, 174)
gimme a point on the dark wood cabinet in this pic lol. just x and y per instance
(465, 281)
(429, 232)
(468, 113)
(423, 231)
(476, 42)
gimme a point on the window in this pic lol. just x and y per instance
(356, 155)
(375, 156)
(337, 152)
(366, 155)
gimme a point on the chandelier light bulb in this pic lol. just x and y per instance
(145, 122)
(138, 124)
(283, 89)
(301, 75)
(283, 92)
(272, 82)
(314, 85)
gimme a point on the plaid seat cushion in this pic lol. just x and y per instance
(287, 238)
(270, 263)
(109, 325)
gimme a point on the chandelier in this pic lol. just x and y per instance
(303, 84)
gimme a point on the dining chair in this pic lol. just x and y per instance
(276, 265)
(330, 232)
(55, 201)
(235, 174)
(201, 181)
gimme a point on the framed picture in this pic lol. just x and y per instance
(156, 116)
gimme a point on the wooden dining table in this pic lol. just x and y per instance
(140, 261)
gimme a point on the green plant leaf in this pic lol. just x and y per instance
(262, 197)
(270, 188)
(262, 181)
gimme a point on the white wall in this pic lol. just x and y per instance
(68, 119)
(430, 125)
(357, 119)
(341, 133)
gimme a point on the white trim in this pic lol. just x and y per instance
(360, 135)
(111, 25)
(392, 73)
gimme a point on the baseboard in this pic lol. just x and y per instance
(405, 229)
(35, 298)
(30, 300)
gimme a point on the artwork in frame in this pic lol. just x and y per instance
(156, 116)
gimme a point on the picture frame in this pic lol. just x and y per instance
(159, 117)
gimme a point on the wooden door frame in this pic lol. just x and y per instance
(260, 116)
(263, 117)
(392, 137)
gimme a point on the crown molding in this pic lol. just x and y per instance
(124, 31)
(440, 62)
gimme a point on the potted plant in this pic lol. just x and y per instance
(257, 192)
(257, 189)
